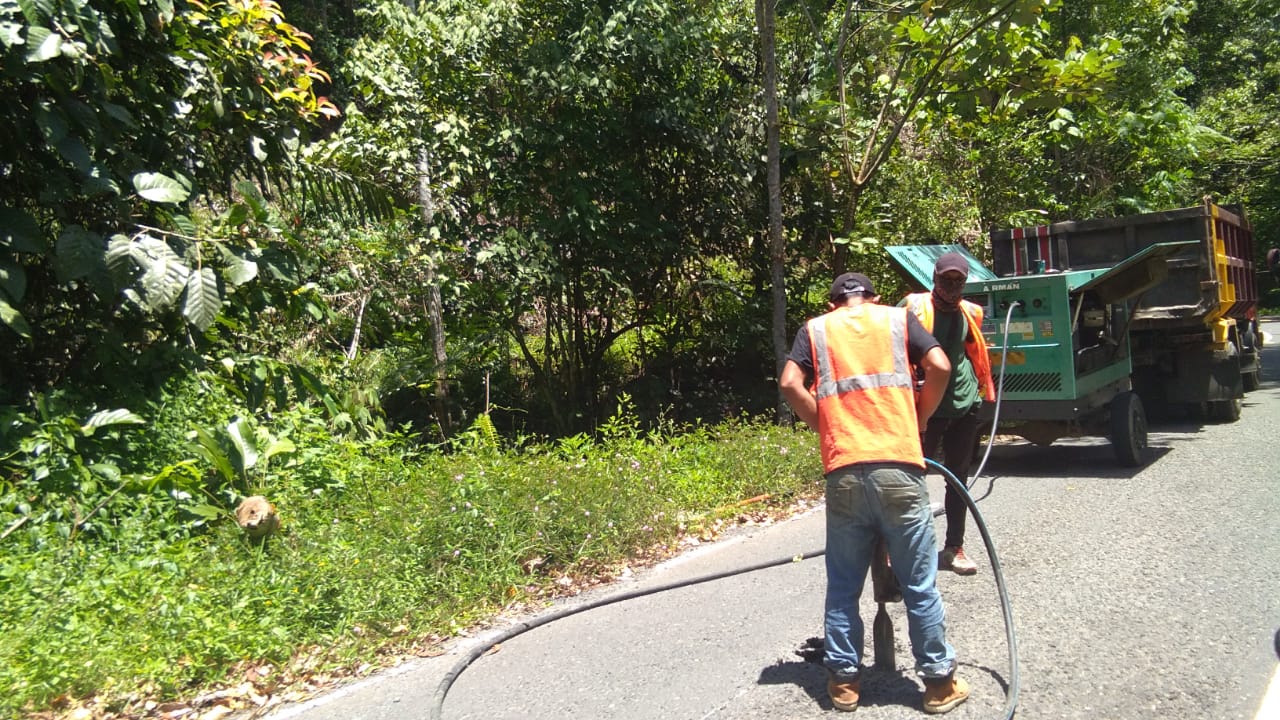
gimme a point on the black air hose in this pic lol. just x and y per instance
(437, 705)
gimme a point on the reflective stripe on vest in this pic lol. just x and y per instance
(829, 385)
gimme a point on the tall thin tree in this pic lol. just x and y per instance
(766, 14)
(433, 303)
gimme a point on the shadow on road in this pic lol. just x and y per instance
(879, 687)
(1092, 456)
(1087, 457)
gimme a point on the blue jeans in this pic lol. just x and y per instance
(890, 500)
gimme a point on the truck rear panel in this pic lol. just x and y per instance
(1215, 279)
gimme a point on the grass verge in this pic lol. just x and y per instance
(416, 548)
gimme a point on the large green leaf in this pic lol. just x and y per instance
(20, 233)
(239, 271)
(52, 122)
(80, 253)
(98, 182)
(165, 274)
(239, 268)
(108, 418)
(164, 281)
(43, 44)
(207, 445)
(279, 446)
(243, 439)
(253, 198)
(13, 281)
(34, 10)
(119, 257)
(74, 151)
(202, 300)
(185, 225)
(13, 319)
(160, 188)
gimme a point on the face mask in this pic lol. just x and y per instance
(947, 291)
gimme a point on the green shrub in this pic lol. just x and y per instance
(383, 546)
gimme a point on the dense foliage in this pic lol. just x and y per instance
(385, 550)
(118, 113)
(349, 254)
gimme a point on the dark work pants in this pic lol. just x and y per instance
(956, 437)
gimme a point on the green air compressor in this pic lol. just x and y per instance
(1059, 343)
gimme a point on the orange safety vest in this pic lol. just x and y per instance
(863, 383)
(975, 347)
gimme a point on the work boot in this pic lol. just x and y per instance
(844, 694)
(953, 558)
(944, 694)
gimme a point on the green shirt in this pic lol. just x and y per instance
(950, 330)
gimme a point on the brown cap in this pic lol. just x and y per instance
(951, 261)
(850, 283)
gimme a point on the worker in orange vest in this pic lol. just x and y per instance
(850, 376)
(957, 325)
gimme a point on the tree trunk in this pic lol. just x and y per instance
(435, 308)
(434, 305)
(765, 16)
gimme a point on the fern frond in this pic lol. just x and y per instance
(328, 190)
(485, 432)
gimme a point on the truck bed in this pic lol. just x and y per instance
(1213, 280)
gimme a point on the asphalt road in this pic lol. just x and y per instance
(1147, 593)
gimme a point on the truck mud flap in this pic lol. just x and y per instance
(1204, 376)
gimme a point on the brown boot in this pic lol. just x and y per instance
(944, 694)
(844, 694)
(953, 558)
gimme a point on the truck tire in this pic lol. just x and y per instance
(1250, 355)
(1224, 411)
(1250, 381)
(1129, 429)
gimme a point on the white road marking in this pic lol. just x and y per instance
(1270, 709)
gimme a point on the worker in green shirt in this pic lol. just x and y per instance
(956, 324)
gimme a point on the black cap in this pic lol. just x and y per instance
(848, 284)
(951, 261)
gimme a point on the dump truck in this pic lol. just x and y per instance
(1193, 336)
